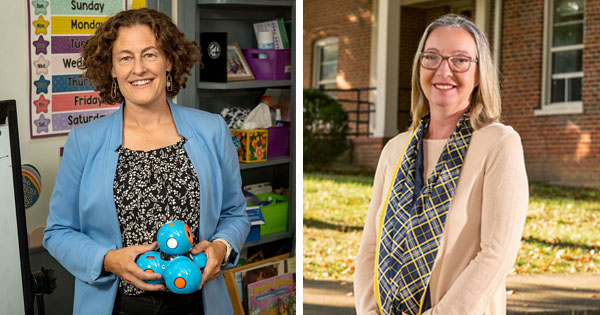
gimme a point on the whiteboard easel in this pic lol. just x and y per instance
(16, 290)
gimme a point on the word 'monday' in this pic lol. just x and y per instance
(84, 25)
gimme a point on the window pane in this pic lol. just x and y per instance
(558, 91)
(329, 53)
(567, 61)
(328, 72)
(568, 10)
(575, 89)
(571, 34)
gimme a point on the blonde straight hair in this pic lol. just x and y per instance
(485, 103)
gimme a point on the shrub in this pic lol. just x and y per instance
(325, 129)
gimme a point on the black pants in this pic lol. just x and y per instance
(159, 303)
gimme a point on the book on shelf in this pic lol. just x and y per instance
(237, 287)
(261, 272)
(255, 215)
(265, 295)
(277, 27)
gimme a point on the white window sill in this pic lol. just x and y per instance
(559, 109)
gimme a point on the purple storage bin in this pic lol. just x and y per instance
(276, 64)
(279, 141)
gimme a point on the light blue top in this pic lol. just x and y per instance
(82, 225)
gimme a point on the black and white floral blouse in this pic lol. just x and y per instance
(150, 189)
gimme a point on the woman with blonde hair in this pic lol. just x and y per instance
(450, 195)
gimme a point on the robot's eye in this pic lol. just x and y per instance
(172, 243)
(188, 234)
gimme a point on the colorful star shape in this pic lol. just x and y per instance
(41, 65)
(41, 85)
(40, 45)
(40, 6)
(41, 105)
(41, 26)
(42, 124)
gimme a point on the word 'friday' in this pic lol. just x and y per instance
(90, 6)
(88, 100)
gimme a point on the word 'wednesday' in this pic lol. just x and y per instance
(84, 5)
(72, 63)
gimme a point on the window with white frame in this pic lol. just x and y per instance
(325, 63)
(563, 57)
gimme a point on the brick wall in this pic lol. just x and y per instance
(366, 151)
(559, 149)
(350, 21)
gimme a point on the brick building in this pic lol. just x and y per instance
(548, 52)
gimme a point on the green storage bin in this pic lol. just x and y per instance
(275, 214)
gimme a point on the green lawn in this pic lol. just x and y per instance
(561, 235)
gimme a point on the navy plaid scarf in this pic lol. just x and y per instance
(413, 221)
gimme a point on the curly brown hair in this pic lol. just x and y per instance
(97, 51)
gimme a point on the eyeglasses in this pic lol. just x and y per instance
(432, 61)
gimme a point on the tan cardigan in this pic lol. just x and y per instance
(482, 231)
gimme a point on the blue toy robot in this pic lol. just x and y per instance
(180, 270)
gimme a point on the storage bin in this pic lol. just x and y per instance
(279, 141)
(269, 64)
(251, 145)
(275, 214)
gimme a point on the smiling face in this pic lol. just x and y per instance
(443, 88)
(140, 66)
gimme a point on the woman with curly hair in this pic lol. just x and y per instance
(125, 175)
(450, 195)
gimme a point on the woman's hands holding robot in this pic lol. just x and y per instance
(179, 264)
(215, 253)
(121, 262)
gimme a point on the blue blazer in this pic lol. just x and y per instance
(82, 225)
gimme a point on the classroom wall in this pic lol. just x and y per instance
(14, 84)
